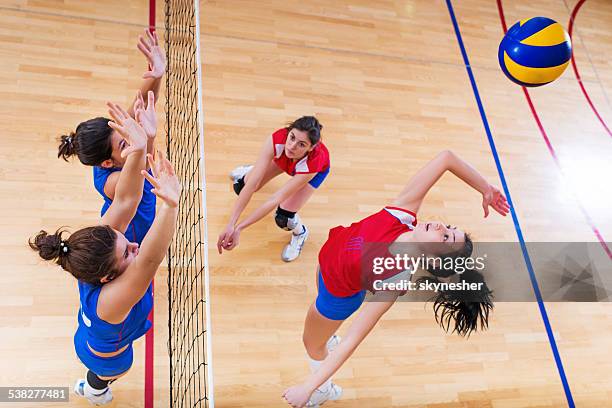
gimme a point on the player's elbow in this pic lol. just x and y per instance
(446, 155)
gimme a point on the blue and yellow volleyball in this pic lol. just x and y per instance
(535, 51)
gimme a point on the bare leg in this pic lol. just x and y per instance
(271, 171)
(299, 231)
(297, 200)
(317, 330)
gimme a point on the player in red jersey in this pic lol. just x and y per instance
(344, 276)
(296, 150)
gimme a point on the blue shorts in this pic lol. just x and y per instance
(335, 307)
(317, 180)
(102, 366)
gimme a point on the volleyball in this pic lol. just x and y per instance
(535, 51)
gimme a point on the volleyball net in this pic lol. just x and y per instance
(189, 344)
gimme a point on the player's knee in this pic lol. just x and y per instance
(286, 220)
(314, 348)
(238, 186)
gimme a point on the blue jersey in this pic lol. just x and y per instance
(145, 214)
(107, 337)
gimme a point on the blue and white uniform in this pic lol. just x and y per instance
(106, 337)
(96, 333)
(145, 213)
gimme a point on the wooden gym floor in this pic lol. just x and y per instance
(388, 81)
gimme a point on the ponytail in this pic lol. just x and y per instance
(463, 311)
(48, 245)
(91, 142)
(67, 145)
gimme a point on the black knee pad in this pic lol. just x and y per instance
(96, 382)
(284, 219)
(238, 186)
(281, 221)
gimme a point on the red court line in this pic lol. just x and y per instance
(575, 67)
(150, 336)
(551, 149)
(149, 356)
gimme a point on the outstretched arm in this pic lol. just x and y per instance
(291, 187)
(128, 191)
(370, 313)
(121, 294)
(419, 185)
(145, 116)
(230, 241)
(150, 48)
(253, 183)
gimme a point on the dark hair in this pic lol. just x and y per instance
(463, 311)
(91, 142)
(88, 254)
(308, 124)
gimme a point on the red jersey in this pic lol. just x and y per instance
(343, 256)
(314, 162)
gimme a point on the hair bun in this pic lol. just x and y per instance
(67, 148)
(47, 245)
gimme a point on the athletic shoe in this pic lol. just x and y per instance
(239, 172)
(333, 342)
(294, 247)
(318, 397)
(105, 397)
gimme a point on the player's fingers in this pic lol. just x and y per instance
(115, 113)
(145, 42)
(152, 165)
(120, 130)
(486, 210)
(144, 50)
(152, 36)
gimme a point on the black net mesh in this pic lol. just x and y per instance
(187, 255)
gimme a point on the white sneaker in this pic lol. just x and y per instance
(102, 399)
(239, 172)
(294, 247)
(333, 342)
(318, 397)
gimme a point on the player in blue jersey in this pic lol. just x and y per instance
(98, 145)
(114, 275)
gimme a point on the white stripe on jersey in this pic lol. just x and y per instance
(404, 217)
(85, 318)
(278, 150)
(302, 166)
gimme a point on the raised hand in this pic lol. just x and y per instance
(150, 48)
(494, 198)
(164, 180)
(127, 128)
(146, 117)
